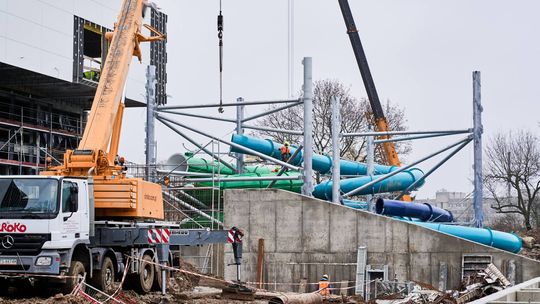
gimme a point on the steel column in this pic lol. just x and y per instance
(239, 131)
(370, 165)
(336, 129)
(477, 132)
(307, 188)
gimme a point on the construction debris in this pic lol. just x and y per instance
(185, 286)
(531, 245)
(189, 286)
(475, 286)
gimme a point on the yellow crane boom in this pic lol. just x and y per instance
(124, 44)
(115, 195)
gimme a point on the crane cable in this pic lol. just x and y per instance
(220, 37)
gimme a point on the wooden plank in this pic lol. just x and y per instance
(260, 264)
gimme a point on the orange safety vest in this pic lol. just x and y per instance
(285, 150)
(323, 288)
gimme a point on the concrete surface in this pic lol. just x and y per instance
(306, 237)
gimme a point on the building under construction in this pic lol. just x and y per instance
(50, 64)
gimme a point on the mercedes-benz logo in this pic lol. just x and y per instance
(8, 241)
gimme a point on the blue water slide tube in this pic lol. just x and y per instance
(321, 163)
(424, 212)
(355, 204)
(498, 239)
(397, 182)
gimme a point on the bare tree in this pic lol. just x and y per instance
(507, 222)
(513, 175)
(355, 117)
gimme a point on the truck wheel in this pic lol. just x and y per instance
(143, 280)
(76, 271)
(104, 278)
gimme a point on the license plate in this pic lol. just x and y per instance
(8, 261)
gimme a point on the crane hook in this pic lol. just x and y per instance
(220, 37)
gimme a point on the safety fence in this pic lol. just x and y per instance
(379, 288)
(96, 296)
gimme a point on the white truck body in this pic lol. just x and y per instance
(46, 224)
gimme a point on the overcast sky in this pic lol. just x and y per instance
(421, 54)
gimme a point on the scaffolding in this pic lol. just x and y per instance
(192, 207)
(32, 130)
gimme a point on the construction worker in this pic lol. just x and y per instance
(91, 75)
(323, 286)
(285, 152)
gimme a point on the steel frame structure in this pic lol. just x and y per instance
(473, 134)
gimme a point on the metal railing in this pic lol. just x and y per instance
(188, 204)
(39, 117)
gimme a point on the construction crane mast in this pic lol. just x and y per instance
(376, 107)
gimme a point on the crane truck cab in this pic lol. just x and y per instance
(44, 225)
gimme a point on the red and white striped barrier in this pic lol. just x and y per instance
(232, 233)
(158, 235)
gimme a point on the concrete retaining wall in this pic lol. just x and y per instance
(302, 234)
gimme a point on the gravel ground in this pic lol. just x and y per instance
(182, 289)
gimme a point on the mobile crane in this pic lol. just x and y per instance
(361, 59)
(86, 217)
(381, 123)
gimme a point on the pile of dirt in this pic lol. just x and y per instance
(178, 284)
(182, 288)
(531, 244)
(183, 281)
